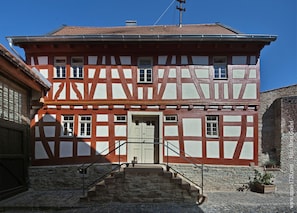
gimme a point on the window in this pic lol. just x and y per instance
(85, 124)
(60, 67)
(220, 67)
(145, 70)
(67, 125)
(212, 126)
(170, 118)
(77, 67)
(13, 102)
(120, 118)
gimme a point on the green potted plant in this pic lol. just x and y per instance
(262, 183)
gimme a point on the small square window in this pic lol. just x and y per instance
(120, 118)
(60, 67)
(170, 118)
(220, 67)
(212, 126)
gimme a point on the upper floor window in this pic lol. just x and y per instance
(220, 67)
(77, 67)
(145, 70)
(85, 125)
(212, 126)
(67, 125)
(60, 67)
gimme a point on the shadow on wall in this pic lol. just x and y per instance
(271, 133)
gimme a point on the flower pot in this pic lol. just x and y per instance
(261, 188)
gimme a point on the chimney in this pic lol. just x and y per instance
(130, 23)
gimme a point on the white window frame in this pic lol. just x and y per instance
(220, 67)
(85, 126)
(77, 67)
(145, 70)
(67, 127)
(60, 67)
(170, 118)
(212, 125)
(120, 118)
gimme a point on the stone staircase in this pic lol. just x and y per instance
(144, 184)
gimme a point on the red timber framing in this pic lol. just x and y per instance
(215, 120)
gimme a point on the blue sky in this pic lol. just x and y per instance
(273, 17)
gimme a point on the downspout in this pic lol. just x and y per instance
(14, 50)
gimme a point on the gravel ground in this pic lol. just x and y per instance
(68, 202)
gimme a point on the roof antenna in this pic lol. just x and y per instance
(181, 10)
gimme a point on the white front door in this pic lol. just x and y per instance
(144, 131)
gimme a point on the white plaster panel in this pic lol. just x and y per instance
(44, 72)
(130, 87)
(184, 59)
(80, 87)
(125, 60)
(66, 149)
(185, 73)
(160, 73)
(122, 149)
(49, 118)
(173, 59)
(202, 73)
(150, 93)
(232, 131)
(229, 149)
(172, 73)
(83, 148)
(238, 73)
(102, 131)
(127, 73)
(239, 60)
(189, 91)
(112, 60)
(56, 87)
(236, 90)
(92, 60)
(140, 93)
(49, 131)
(213, 149)
(226, 91)
(247, 151)
(232, 118)
(101, 118)
(118, 91)
(200, 60)
(250, 118)
(73, 95)
(250, 91)
(250, 131)
(193, 148)
(171, 131)
(32, 61)
(115, 73)
(173, 149)
(100, 91)
(162, 59)
(205, 90)
(51, 145)
(42, 60)
(216, 91)
(102, 73)
(102, 147)
(192, 126)
(170, 91)
(104, 59)
(253, 73)
(91, 72)
(40, 152)
(37, 133)
(120, 130)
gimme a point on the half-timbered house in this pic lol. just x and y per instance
(20, 91)
(194, 88)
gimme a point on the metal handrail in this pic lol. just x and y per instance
(83, 170)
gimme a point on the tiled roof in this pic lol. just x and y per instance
(31, 72)
(196, 29)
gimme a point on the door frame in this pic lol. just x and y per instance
(154, 114)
